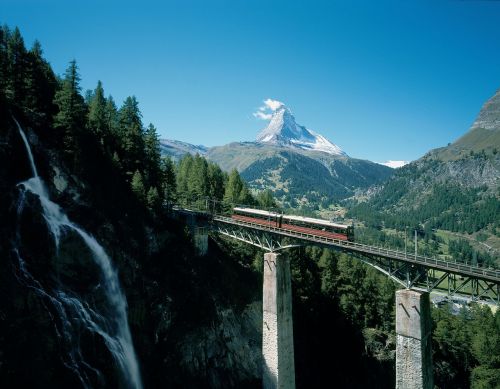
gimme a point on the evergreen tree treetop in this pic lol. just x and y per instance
(70, 102)
(266, 199)
(131, 134)
(129, 115)
(72, 110)
(152, 153)
(36, 49)
(152, 145)
(111, 115)
(97, 111)
(137, 185)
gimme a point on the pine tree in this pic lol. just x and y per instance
(266, 199)
(198, 179)
(97, 120)
(329, 273)
(169, 181)
(234, 187)
(16, 67)
(152, 153)
(182, 176)
(132, 135)
(88, 96)
(215, 181)
(71, 116)
(350, 288)
(153, 199)
(41, 85)
(111, 116)
(137, 185)
(245, 196)
(236, 191)
(113, 141)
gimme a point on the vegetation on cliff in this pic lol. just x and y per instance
(104, 168)
(195, 321)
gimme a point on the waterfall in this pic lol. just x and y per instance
(74, 313)
(30, 156)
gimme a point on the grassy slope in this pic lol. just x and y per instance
(298, 172)
(475, 140)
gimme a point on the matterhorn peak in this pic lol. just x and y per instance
(283, 130)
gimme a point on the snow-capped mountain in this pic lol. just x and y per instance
(394, 164)
(284, 131)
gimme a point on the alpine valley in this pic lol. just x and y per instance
(107, 279)
(454, 188)
(300, 166)
(304, 169)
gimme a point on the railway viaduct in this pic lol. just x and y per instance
(418, 275)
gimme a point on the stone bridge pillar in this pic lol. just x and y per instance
(413, 340)
(278, 368)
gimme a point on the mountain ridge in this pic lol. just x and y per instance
(453, 187)
(284, 131)
(300, 166)
(287, 170)
(489, 116)
(176, 148)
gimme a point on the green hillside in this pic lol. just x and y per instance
(455, 188)
(299, 177)
(478, 140)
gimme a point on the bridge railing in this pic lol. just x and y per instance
(215, 210)
(493, 275)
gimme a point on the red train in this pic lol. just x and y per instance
(305, 225)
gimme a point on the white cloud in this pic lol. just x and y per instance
(273, 105)
(266, 111)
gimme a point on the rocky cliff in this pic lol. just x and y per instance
(189, 327)
(452, 188)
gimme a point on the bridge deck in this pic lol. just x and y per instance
(433, 263)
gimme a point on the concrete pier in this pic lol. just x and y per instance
(413, 340)
(278, 368)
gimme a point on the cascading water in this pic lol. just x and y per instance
(71, 313)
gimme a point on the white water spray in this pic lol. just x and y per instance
(73, 312)
(25, 140)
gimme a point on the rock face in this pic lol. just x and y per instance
(299, 165)
(489, 116)
(483, 136)
(189, 329)
(284, 131)
(227, 353)
(471, 172)
(472, 161)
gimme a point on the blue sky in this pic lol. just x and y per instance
(382, 79)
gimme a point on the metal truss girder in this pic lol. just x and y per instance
(420, 272)
(460, 286)
(260, 240)
(438, 282)
(425, 279)
(381, 269)
(363, 249)
(416, 272)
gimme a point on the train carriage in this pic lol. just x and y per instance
(301, 224)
